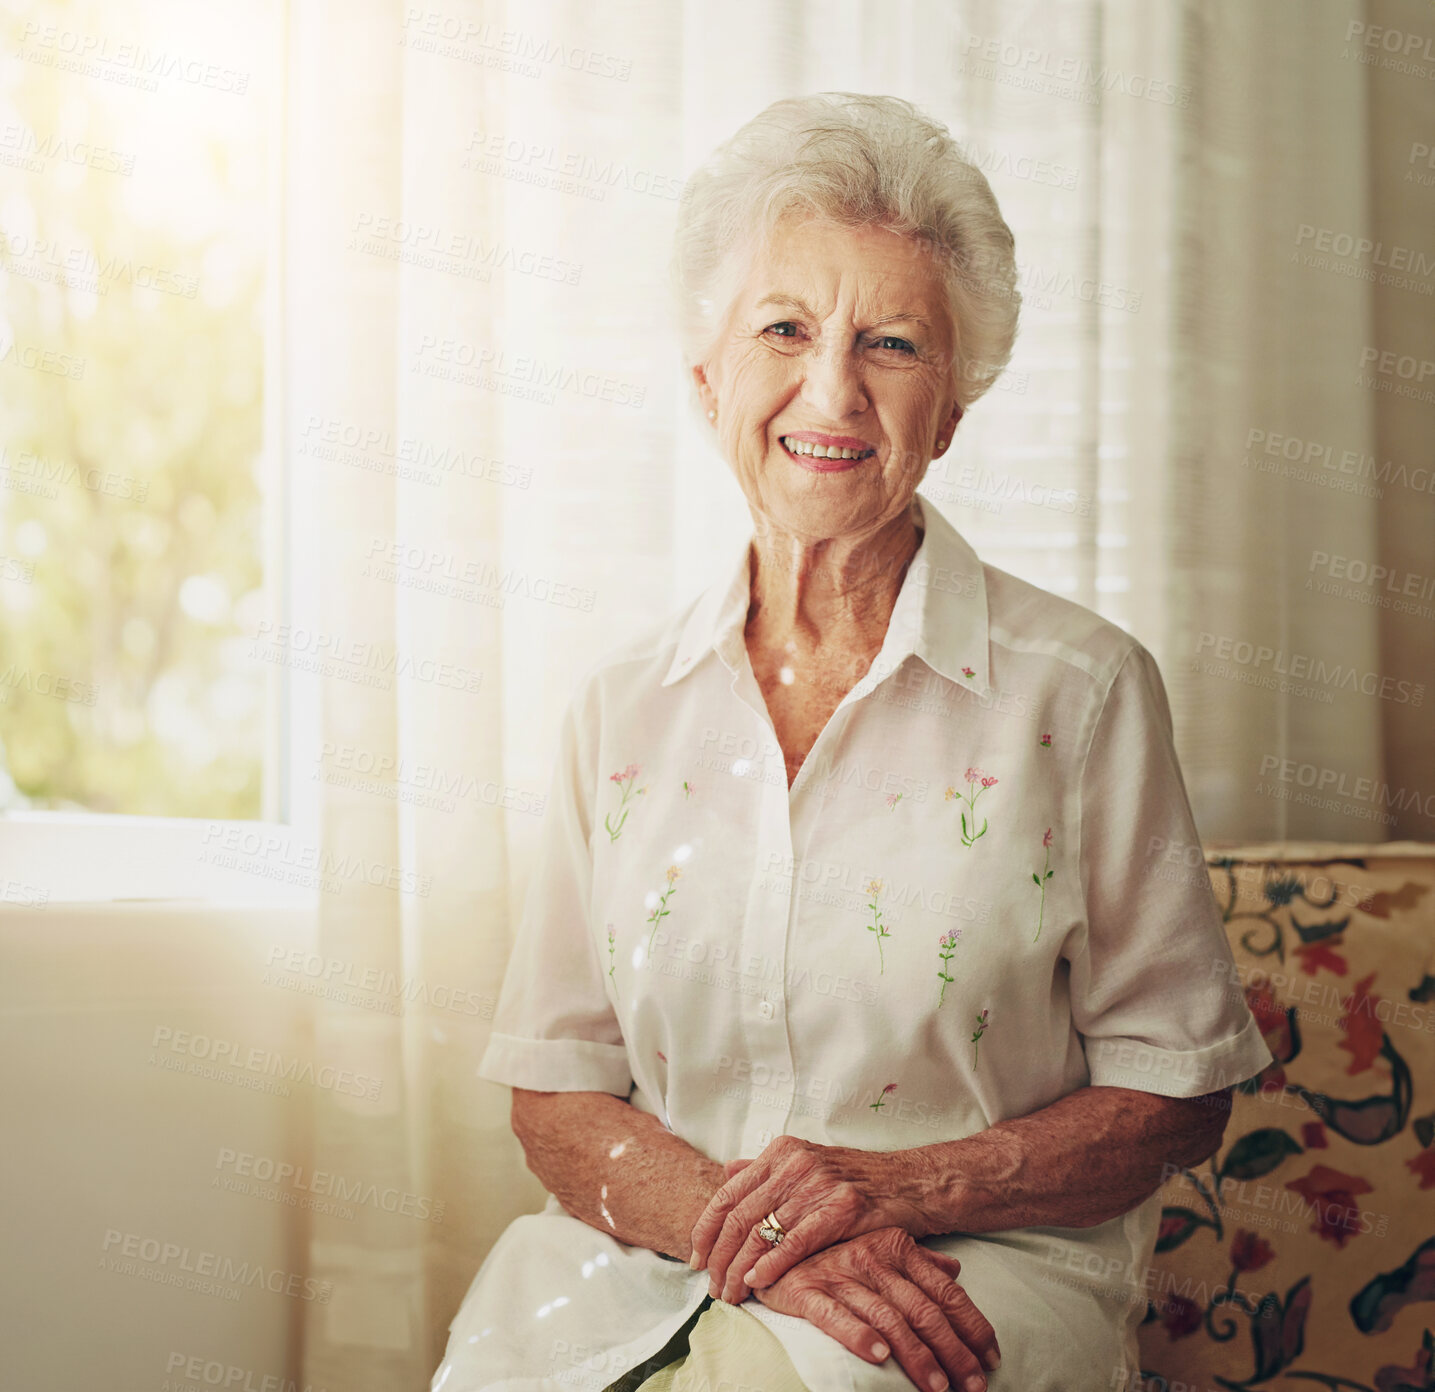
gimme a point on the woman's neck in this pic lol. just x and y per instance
(837, 590)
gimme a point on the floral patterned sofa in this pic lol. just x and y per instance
(1302, 1255)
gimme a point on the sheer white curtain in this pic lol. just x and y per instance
(490, 456)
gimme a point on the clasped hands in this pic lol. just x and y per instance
(849, 1262)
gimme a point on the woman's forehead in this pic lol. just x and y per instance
(806, 265)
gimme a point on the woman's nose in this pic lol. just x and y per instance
(833, 384)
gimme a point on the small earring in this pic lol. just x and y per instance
(712, 415)
(941, 444)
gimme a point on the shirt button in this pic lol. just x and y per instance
(765, 1010)
(764, 1138)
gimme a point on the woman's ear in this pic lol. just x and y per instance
(706, 395)
(948, 430)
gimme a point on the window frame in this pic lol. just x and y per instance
(68, 857)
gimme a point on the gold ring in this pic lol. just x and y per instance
(771, 1229)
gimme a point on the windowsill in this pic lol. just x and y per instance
(49, 859)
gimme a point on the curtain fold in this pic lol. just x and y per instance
(495, 471)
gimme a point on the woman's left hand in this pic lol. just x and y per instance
(820, 1194)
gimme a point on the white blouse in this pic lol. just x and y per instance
(964, 909)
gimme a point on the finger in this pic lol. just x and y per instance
(931, 1324)
(738, 1227)
(914, 1357)
(733, 1166)
(757, 1249)
(942, 1257)
(812, 1233)
(972, 1327)
(710, 1221)
(830, 1315)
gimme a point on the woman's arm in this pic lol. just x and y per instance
(622, 1171)
(617, 1168)
(1086, 1158)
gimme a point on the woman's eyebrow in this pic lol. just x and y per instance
(797, 302)
(901, 319)
(790, 301)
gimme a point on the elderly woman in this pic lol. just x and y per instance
(851, 1026)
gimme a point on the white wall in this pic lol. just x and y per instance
(101, 1139)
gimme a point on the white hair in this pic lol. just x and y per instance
(855, 160)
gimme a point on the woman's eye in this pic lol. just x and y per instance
(785, 329)
(899, 345)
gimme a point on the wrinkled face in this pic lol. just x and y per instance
(833, 380)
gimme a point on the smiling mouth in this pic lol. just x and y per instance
(805, 450)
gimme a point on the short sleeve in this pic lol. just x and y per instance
(1154, 992)
(554, 1029)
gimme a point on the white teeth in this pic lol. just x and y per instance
(822, 451)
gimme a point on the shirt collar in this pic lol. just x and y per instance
(940, 614)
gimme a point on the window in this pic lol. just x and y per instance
(140, 489)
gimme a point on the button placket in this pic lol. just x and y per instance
(764, 955)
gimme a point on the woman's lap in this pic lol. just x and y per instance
(722, 1348)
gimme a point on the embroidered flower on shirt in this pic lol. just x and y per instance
(612, 961)
(874, 888)
(624, 779)
(1046, 741)
(661, 912)
(975, 776)
(948, 944)
(969, 672)
(983, 1021)
(688, 789)
(1041, 878)
(892, 800)
(877, 1105)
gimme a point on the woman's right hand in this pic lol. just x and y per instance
(885, 1288)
